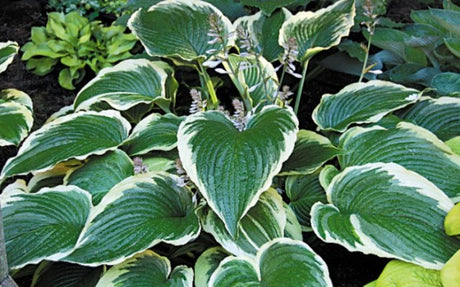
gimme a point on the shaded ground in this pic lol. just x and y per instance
(18, 16)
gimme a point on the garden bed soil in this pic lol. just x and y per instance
(18, 16)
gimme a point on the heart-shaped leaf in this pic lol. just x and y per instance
(181, 29)
(101, 173)
(441, 116)
(63, 274)
(155, 132)
(7, 52)
(361, 103)
(42, 225)
(74, 136)
(378, 203)
(399, 273)
(263, 222)
(147, 269)
(232, 168)
(207, 263)
(127, 84)
(15, 116)
(317, 31)
(280, 262)
(311, 151)
(411, 146)
(134, 215)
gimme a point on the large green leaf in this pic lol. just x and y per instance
(263, 222)
(280, 262)
(268, 6)
(134, 215)
(74, 136)
(317, 31)
(447, 84)
(254, 76)
(389, 211)
(15, 116)
(101, 173)
(42, 225)
(263, 31)
(398, 273)
(232, 168)
(448, 19)
(127, 84)
(63, 274)
(147, 269)
(155, 132)
(304, 191)
(180, 29)
(311, 151)
(207, 263)
(411, 146)
(7, 52)
(441, 116)
(361, 103)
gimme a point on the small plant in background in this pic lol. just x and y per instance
(89, 8)
(124, 190)
(74, 42)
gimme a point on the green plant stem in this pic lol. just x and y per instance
(212, 99)
(301, 84)
(366, 57)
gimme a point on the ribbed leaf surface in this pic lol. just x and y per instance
(317, 31)
(101, 173)
(147, 269)
(389, 211)
(74, 136)
(398, 273)
(280, 262)
(63, 274)
(411, 146)
(155, 132)
(206, 264)
(311, 151)
(179, 29)
(127, 84)
(15, 116)
(43, 225)
(232, 168)
(263, 222)
(361, 103)
(134, 215)
(440, 116)
(7, 52)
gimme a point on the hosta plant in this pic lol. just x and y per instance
(72, 42)
(125, 192)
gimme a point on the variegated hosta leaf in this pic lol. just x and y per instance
(147, 269)
(74, 136)
(134, 215)
(361, 103)
(15, 116)
(441, 116)
(127, 84)
(52, 177)
(101, 173)
(280, 262)
(263, 31)
(411, 146)
(399, 273)
(389, 211)
(317, 31)
(311, 151)
(452, 221)
(207, 263)
(63, 274)
(232, 168)
(293, 229)
(303, 191)
(450, 273)
(42, 225)
(327, 173)
(181, 29)
(263, 222)
(253, 76)
(7, 52)
(155, 132)
(268, 6)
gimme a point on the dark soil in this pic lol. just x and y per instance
(18, 16)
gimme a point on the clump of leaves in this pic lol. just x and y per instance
(74, 42)
(90, 8)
